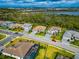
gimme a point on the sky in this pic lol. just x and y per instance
(39, 3)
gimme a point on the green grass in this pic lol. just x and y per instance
(30, 31)
(2, 36)
(40, 34)
(5, 57)
(51, 52)
(59, 35)
(41, 53)
(1, 27)
(66, 53)
(76, 42)
(17, 30)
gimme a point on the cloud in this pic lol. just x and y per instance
(41, 3)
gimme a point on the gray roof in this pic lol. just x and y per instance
(68, 34)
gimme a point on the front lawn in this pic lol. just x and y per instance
(76, 42)
(59, 35)
(41, 34)
(17, 29)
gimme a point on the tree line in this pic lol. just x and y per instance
(66, 21)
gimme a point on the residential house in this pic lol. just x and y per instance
(12, 26)
(54, 30)
(18, 50)
(27, 27)
(38, 29)
(69, 35)
(7, 23)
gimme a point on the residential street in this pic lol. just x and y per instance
(9, 38)
(58, 44)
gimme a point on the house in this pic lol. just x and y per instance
(1, 22)
(7, 23)
(18, 50)
(69, 35)
(38, 29)
(12, 26)
(54, 30)
(27, 27)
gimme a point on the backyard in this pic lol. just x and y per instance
(19, 29)
(51, 52)
(5, 57)
(41, 53)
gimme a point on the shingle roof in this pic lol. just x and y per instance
(55, 28)
(20, 49)
(39, 28)
(15, 25)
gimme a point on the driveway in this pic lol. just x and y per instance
(48, 37)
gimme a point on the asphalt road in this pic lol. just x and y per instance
(10, 38)
(6, 40)
(58, 44)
